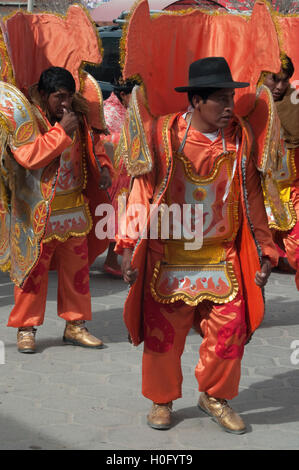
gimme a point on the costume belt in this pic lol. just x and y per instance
(67, 201)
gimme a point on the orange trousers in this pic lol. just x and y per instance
(218, 371)
(166, 326)
(73, 301)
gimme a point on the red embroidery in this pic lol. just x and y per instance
(82, 249)
(32, 285)
(157, 325)
(81, 280)
(235, 331)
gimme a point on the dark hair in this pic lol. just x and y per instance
(125, 86)
(54, 78)
(287, 66)
(204, 93)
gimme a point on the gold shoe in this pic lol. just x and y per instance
(77, 334)
(222, 413)
(26, 340)
(159, 416)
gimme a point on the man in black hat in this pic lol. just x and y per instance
(200, 159)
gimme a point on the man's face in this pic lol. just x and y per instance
(278, 84)
(125, 98)
(217, 110)
(58, 101)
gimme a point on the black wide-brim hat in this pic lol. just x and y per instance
(210, 72)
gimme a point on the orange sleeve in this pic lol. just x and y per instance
(257, 213)
(100, 153)
(138, 201)
(45, 148)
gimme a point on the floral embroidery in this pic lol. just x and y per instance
(157, 326)
(81, 280)
(231, 337)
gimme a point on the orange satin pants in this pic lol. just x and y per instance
(218, 371)
(73, 301)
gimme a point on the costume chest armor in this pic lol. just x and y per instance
(69, 212)
(188, 272)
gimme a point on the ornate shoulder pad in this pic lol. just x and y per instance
(265, 124)
(91, 90)
(135, 145)
(16, 116)
(266, 127)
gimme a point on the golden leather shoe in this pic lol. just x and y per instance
(159, 416)
(77, 334)
(222, 414)
(26, 340)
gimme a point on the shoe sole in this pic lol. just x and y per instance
(243, 431)
(77, 343)
(27, 351)
(160, 427)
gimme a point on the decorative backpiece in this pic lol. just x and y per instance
(266, 127)
(25, 195)
(134, 146)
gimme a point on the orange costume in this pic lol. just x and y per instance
(49, 188)
(69, 243)
(211, 288)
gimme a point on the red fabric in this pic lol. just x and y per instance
(162, 59)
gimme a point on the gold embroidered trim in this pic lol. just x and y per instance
(292, 170)
(67, 235)
(138, 158)
(227, 268)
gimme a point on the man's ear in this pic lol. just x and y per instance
(196, 101)
(43, 95)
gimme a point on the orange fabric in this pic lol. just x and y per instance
(74, 301)
(161, 374)
(193, 36)
(99, 151)
(38, 41)
(94, 195)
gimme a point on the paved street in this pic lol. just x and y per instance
(67, 397)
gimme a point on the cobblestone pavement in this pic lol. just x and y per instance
(66, 397)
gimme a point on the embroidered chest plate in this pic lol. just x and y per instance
(192, 275)
(217, 193)
(69, 213)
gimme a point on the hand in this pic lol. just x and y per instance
(261, 277)
(105, 180)
(69, 122)
(129, 274)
